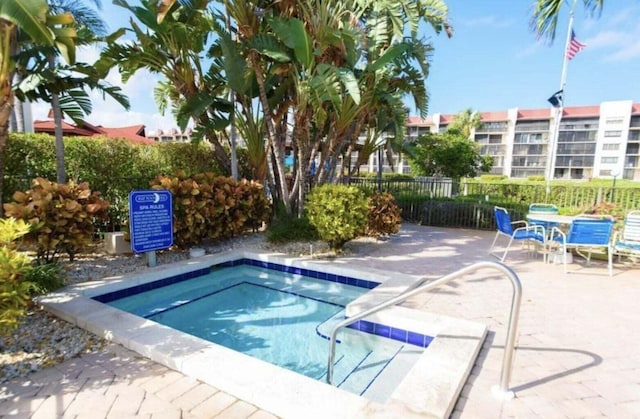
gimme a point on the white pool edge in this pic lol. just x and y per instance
(429, 390)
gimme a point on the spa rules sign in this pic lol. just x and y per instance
(150, 220)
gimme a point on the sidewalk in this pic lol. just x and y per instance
(578, 353)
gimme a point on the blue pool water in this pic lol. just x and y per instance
(278, 317)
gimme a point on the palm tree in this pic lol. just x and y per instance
(176, 48)
(545, 15)
(466, 121)
(323, 72)
(32, 20)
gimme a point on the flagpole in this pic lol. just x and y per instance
(558, 110)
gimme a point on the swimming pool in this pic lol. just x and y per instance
(280, 317)
(429, 385)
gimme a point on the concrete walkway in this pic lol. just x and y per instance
(578, 352)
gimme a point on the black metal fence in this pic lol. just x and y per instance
(468, 204)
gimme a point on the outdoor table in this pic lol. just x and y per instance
(562, 221)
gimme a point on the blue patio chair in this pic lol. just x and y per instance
(586, 233)
(542, 209)
(505, 227)
(627, 242)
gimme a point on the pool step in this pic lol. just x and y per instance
(362, 358)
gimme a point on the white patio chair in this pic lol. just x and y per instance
(627, 242)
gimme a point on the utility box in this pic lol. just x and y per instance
(115, 244)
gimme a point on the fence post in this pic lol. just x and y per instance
(599, 196)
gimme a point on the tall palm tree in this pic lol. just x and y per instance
(32, 20)
(546, 12)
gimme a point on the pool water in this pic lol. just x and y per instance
(281, 318)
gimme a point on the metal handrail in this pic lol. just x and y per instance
(509, 347)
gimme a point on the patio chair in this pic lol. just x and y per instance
(627, 242)
(525, 234)
(585, 233)
(542, 209)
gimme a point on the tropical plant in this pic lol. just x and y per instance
(323, 72)
(176, 48)
(465, 121)
(450, 154)
(26, 20)
(384, 215)
(62, 217)
(63, 85)
(14, 266)
(338, 212)
(546, 12)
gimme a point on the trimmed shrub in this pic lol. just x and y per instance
(338, 212)
(384, 215)
(14, 266)
(62, 217)
(210, 207)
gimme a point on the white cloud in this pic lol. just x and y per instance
(618, 46)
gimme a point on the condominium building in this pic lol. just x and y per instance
(171, 135)
(601, 141)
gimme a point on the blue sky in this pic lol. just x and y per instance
(493, 62)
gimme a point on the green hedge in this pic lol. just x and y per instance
(112, 167)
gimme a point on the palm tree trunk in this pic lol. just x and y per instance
(6, 104)
(57, 121)
(272, 141)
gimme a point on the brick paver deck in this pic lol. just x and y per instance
(578, 352)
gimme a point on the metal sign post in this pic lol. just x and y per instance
(150, 222)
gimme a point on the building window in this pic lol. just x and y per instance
(609, 160)
(614, 121)
(616, 133)
(605, 172)
(613, 146)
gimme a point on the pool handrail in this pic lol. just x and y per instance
(419, 287)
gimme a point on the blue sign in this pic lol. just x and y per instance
(150, 220)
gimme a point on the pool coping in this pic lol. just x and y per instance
(430, 389)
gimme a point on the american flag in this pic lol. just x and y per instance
(574, 46)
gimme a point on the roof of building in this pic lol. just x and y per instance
(533, 114)
(523, 114)
(134, 134)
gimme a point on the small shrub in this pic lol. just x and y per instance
(210, 207)
(45, 278)
(338, 212)
(384, 215)
(14, 266)
(62, 216)
(291, 229)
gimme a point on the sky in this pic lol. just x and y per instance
(493, 62)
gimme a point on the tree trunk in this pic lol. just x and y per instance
(272, 141)
(57, 122)
(6, 105)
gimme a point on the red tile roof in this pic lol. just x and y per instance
(534, 114)
(134, 134)
(524, 114)
(578, 111)
(494, 116)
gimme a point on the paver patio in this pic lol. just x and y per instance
(578, 352)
